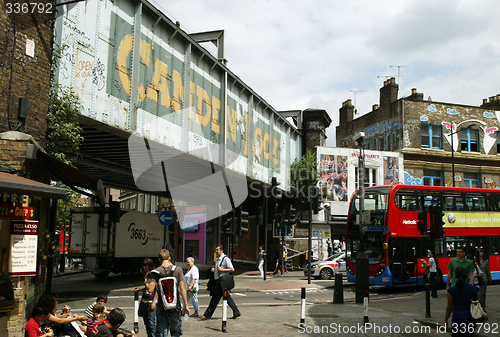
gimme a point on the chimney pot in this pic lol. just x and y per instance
(413, 91)
(492, 98)
(485, 101)
(374, 107)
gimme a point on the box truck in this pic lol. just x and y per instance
(136, 236)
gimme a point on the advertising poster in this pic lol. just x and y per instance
(334, 175)
(391, 170)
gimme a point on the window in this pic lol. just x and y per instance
(433, 178)
(498, 142)
(453, 202)
(431, 136)
(406, 200)
(471, 180)
(475, 202)
(469, 140)
(370, 177)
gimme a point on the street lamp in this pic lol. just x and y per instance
(362, 263)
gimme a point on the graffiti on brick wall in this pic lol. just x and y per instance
(412, 127)
(385, 136)
(489, 182)
(409, 180)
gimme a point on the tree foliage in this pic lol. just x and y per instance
(63, 137)
(304, 172)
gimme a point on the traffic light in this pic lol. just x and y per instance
(275, 196)
(226, 222)
(315, 200)
(278, 223)
(292, 219)
(437, 216)
(260, 216)
(422, 221)
(241, 221)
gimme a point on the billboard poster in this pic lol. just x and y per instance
(334, 174)
(391, 170)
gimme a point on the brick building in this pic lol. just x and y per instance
(424, 131)
(25, 65)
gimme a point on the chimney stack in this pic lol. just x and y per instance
(388, 93)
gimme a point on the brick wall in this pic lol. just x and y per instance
(22, 75)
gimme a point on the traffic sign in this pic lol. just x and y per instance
(165, 218)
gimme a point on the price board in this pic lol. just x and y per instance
(23, 247)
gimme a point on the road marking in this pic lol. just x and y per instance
(239, 294)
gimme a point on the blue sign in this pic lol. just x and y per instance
(165, 218)
(377, 228)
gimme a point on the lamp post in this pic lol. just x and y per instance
(362, 263)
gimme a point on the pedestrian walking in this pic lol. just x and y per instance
(459, 261)
(169, 319)
(484, 264)
(191, 278)
(223, 266)
(329, 247)
(460, 297)
(432, 273)
(262, 253)
(147, 307)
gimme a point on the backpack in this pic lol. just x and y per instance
(168, 290)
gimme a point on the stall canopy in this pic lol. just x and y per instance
(13, 184)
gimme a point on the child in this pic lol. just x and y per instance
(109, 327)
(33, 328)
(97, 316)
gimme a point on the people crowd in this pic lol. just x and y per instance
(467, 280)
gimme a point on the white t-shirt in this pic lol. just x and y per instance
(193, 273)
(432, 265)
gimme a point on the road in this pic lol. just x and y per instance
(273, 307)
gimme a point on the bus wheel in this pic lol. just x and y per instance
(326, 273)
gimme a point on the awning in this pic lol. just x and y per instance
(13, 184)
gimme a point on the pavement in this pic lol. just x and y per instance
(393, 313)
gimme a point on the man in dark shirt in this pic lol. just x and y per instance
(109, 327)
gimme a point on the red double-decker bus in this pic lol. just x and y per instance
(395, 246)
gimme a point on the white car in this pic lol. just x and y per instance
(327, 268)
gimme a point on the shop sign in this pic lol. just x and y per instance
(16, 211)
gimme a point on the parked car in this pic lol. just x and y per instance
(327, 268)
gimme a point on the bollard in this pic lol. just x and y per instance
(427, 300)
(338, 289)
(366, 299)
(136, 311)
(302, 305)
(224, 310)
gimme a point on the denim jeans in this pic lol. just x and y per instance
(483, 294)
(168, 320)
(194, 296)
(149, 318)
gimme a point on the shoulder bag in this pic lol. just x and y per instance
(226, 281)
(476, 310)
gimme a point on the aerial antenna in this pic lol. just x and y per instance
(399, 68)
(355, 91)
(384, 76)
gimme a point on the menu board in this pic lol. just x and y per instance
(23, 247)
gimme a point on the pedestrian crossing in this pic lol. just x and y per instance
(293, 291)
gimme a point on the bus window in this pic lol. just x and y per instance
(491, 203)
(429, 198)
(406, 200)
(452, 243)
(475, 202)
(453, 202)
(494, 244)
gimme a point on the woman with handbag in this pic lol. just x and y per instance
(147, 307)
(484, 264)
(460, 298)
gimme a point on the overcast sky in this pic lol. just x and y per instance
(300, 54)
